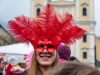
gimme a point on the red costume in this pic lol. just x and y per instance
(12, 67)
(8, 70)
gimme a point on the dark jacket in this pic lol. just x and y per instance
(1, 74)
(24, 73)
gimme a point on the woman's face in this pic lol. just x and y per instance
(45, 53)
(45, 58)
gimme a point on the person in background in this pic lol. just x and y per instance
(29, 59)
(12, 67)
(2, 65)
(28, 63)
(74, 59)
(45, 33)
(74, 68)
(64, 53)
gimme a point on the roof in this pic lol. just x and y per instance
(5, 30)
(19, 48)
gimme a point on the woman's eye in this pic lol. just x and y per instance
(50, 46)
(40, 46)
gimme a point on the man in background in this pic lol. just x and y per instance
(2, 65)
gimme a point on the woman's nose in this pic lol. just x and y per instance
(45, 51)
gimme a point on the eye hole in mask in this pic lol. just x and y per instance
(48, 47)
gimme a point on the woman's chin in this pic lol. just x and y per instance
(45, 64)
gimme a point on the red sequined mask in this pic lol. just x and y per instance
(48, 45)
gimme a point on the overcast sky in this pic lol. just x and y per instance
(12, 8)
(97, 16)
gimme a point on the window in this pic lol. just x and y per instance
(85, 38)
(38, 10)
(54, 0)
(84, 55)
(68, 0)
(84, 11)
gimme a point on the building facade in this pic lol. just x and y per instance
(83, 14)
(97, 52)
(5, 37)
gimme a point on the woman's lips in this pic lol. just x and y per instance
(45, 58)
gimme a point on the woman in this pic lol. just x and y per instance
(45, 33)
(43, 62)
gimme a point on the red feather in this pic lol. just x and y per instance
(48, 25)
(24, 29)
(73, 34)
(49, 21)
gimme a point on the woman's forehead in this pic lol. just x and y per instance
(44, 42)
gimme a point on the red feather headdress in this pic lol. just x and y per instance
(48, 26)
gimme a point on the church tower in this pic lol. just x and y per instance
(83, 13)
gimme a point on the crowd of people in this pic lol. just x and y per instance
(64, 64)
(51, 35)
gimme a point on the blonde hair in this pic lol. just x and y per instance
(34, 68)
